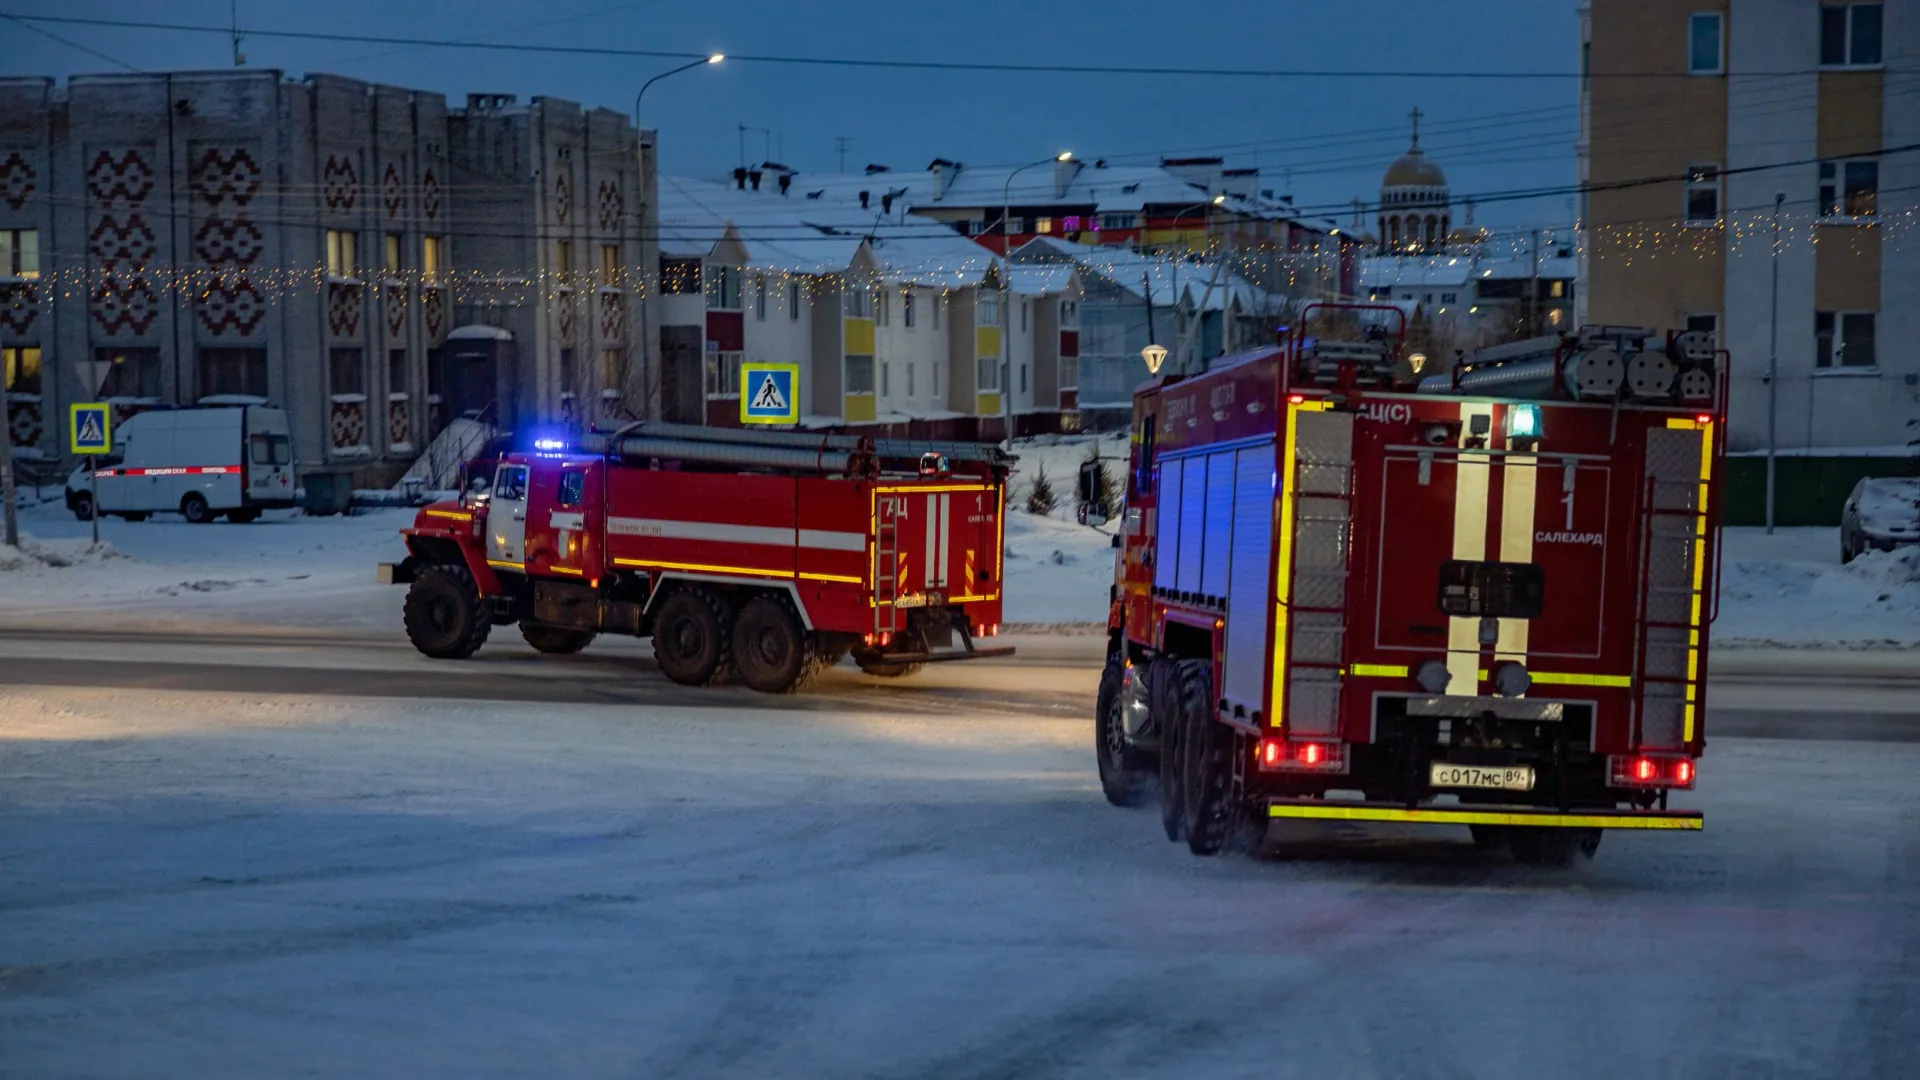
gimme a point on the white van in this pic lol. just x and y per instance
(200, 462)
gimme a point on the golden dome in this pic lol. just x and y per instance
(1414, 170)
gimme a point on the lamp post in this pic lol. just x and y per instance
(1006, 287)
(1773, 357)
(1184, 339)
(640, 163)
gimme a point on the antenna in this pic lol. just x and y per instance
(233, 20)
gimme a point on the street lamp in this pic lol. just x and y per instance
(646, 346)
(1181, 332)
(1006, 286)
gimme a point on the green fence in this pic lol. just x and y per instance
(1808, 490)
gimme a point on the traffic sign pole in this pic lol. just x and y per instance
(93, 492)
(90, 434)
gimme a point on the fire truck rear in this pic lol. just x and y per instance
(763, 554)
(1481, 597)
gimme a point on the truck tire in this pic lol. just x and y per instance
(691, 637)
(556, 640)
(1163, 703)
(1126, 774)
(1539, 846)
(1213, 813)
(444, 615)
(770, 648)
(194, 508)
(83, 506)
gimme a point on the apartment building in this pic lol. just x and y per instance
(317, 243)
(1703, 122)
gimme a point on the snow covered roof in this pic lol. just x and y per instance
(1041, 279)
(1416, 271)
(1168, 279)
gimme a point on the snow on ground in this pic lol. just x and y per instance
(249, 884)
(1790, 589)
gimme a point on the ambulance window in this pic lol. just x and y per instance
(573, 484)
(1143, 478)
(269, 449)
(510, 483)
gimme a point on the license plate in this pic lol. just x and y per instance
(1503, 777)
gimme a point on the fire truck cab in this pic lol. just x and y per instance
(1481, 596)
(766, 555)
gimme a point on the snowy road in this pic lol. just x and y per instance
(269, 880)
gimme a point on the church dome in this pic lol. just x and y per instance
(1414, 169)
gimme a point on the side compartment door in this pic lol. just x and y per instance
(507, 518)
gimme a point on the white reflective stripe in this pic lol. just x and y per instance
(1518, 503)
(736, 534)
(575, 520)
(832, 541)
(1471, 480)
(933, 528)
(946, 535)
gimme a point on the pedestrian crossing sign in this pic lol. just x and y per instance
(90, 428)
(769, 393)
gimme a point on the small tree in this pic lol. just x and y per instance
(1107, 487)
(1040, 497)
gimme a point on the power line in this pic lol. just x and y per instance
(872, 63)
(26, 23)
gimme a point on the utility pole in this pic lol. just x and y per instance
(12, 515)
(840, 144)
(1533, 292)
(1773, 361)
(233, 21)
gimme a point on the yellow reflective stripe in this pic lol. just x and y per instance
(926, 489)
(830, 577)
(702, 568)
(1559, 678)
(1283, 558)
(1628, 820)
(453, 515)
(503, 565)
(1379, 671)
(567, 570)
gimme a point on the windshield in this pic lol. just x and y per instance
(1891, 499)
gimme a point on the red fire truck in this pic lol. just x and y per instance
(1480, 597)
(759, 553)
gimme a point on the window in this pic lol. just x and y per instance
(1023, 316)
(989, 309)
(566, 373)
(390, 255)
(20, 253)
(345, 372)
(1023, 378)
(1143, 475)
(854, 302)
(987, 373)
(1117, 221)
(510, 483)
(723, 374)
(859, 374)
(233, 371)
(341, 256)
(610, 369)
(906, 309)
(680, 277)
(271, 449)
(22, 369)
(130, 372)
(1704, 43)
(1843, 339)
(609, 264)
(881, 307)
(1557, 290)
(1448, 298)
(1849, 35)
(1849, 188)
(1069, 373)
(1013, 225)
(396, 371)
(563, 257)
(1703, 194)
(1043, 225)
(760, 297)
(430, 261)
(910, 388)
(1069, 314)
(573, 487)
(793, 301)
(938, 302)
(886, 379)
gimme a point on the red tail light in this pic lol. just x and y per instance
(1279, 755)
(1649, 771)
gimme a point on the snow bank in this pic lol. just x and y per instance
(1790, 589)
(39, 555)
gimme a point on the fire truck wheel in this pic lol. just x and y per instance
(444, 616)
(1126, 776)
(1553, 847)
(1210, 808)
(690, 637)
(1163, 705)
(877, 665)
(770, 646)
(555, 640)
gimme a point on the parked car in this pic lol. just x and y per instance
(200, 462)
(1881, 514)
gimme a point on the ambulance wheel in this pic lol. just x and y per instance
(690, 637)
(244, 517)
(83, 506)
(194, 508)
(1126, 774)
(876, 664)
(1163, 697)
(444, 616)
(770, 646)
(555, 640)
(1553, 846)
(1211, 810)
